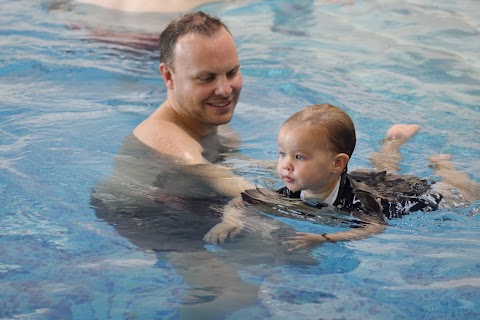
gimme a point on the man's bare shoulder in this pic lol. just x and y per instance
(169, 139)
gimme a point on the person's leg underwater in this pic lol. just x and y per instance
(389, 157)
(456, 187)
(216, 289)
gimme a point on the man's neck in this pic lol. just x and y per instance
(196, 130)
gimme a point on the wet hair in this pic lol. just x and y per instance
(333, 127)
(197, 23)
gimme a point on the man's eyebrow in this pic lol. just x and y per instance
(204, 73)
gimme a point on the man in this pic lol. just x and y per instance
(201, 70)
(160, 193)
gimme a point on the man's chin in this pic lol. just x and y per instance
(222, 123)
(223, 119)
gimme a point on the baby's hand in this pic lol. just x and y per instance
(222, 231)
(304, 240)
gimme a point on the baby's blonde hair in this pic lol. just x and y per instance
(333, 126)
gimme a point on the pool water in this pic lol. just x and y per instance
(69, 96)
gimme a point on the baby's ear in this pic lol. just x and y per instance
(341, 161)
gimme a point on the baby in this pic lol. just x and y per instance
(315, 146)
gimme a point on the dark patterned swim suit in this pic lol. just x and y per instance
(398, 195)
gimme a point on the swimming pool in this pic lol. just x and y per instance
(69, 98)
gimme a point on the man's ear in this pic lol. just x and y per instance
(166, 75)
(341, 161)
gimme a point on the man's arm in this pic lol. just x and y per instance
(173, 142)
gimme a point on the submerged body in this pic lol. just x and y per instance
(158, 206)
(149, 5)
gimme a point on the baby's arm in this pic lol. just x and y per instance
(231, 225)
(303, 240)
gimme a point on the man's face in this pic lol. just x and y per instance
(206, 78)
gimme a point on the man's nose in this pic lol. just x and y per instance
(224, 88)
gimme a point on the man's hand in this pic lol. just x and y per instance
(222, 231)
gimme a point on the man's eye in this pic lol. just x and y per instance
(232, 73)
(206, 78)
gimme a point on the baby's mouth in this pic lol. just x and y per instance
(288, 179)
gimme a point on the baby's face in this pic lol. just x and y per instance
(303, 162)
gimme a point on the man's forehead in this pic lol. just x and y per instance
(201, 51)
(193, 37)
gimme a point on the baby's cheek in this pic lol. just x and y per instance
(279, 170)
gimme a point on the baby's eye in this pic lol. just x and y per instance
(281, 154)
(299, 157)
